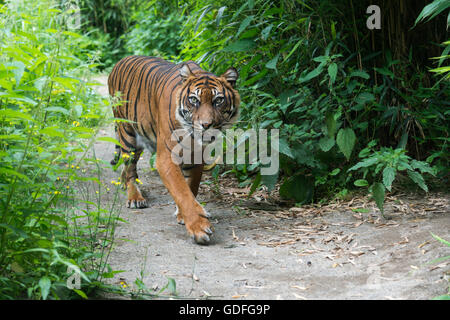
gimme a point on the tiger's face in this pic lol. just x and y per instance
(206, 101)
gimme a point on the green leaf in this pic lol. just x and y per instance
(58, 109)
(361, 210)
(81, 293)
(15, 230)
(272, 64)
(44, 285)
(326, 143)
(422, 166)
(172, 286)
(431, 10)
(9, 172)
(360, 74)
(240, 46)
(332, 72)
(378, 195)
(388, 177)
(361, 183)
(199, 20)
(364, 164)
(331, 124)
(66, 82)
(13, 114)
(18, 70)
(293, 49)
(418, 179)
(442, 297)
(52, 132)
(311, 75)
(285, 149)
(266, 31)
(335, 172)
(345, 140)
(255, 78)
(333, 30)
(441, 240)
(386, 72)
(244, 25)
(109, 139)
(255, 184)
(219, 15)
(364, 98)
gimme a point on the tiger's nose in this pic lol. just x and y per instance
(206, 124)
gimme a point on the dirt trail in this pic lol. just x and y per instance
(262, 251)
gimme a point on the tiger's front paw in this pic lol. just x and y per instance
(180, 219)
(135, 198)
(199, 227)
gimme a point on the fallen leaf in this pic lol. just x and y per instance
(237, 296)
(300, 288)
(234, 235)
(423, 244)
(298, 296)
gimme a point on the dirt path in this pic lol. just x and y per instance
(262, 251)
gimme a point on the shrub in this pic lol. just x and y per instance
(47, 111)
(302, 73)
(155, 32)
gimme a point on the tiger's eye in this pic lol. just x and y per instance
(218, 101)
(193, 100)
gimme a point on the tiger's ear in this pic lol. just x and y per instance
(231, 76)
(185, 72)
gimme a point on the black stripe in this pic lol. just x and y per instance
(130, 133)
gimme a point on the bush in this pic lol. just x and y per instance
(155, 32)
(47, 109)
(302, 73)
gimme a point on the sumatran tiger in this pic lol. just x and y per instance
(158, 97)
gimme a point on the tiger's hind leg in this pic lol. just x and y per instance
(130, 180)
(130, 154)
(193, 175)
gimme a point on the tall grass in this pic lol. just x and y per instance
(49, 112)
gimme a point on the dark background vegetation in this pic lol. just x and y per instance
(357, 109)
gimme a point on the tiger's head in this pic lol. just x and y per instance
(207, 101)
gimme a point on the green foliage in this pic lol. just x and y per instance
(117, 28)
(432, 10)
(429, 12)
(47, 111)
(155, 32)
(298, 73)
(105, 21)
(447, 243)
(381, 167)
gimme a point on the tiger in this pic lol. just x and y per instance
(158, 97)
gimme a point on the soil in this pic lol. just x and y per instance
(264, 248)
